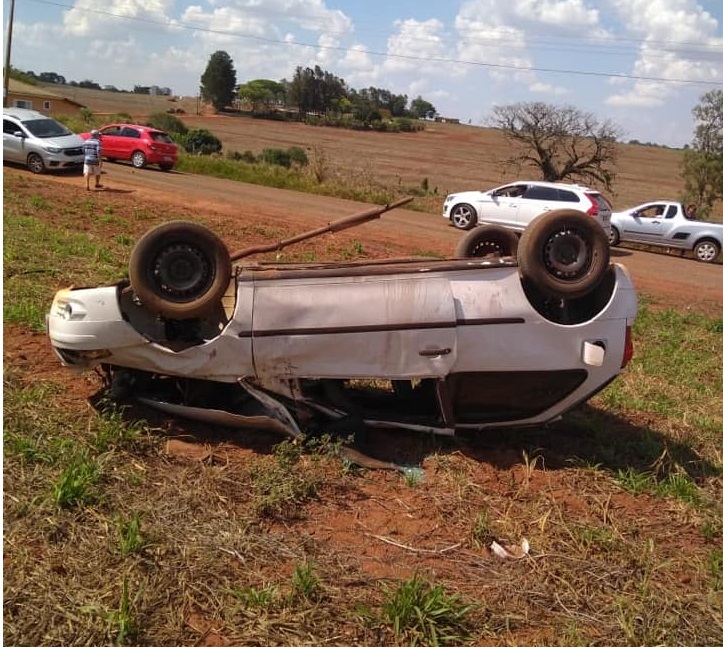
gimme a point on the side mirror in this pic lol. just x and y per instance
(19, 133)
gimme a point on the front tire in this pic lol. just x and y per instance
(487, 241)
(463, 216)
(138, 159)
(564, 254)
(35, 163)
(180, 270)
(614, 237)
(706, 251)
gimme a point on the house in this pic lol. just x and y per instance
(37, 97)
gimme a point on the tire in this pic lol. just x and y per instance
(706, 251)
(166, 167)
(35, 163)
(564, 254)
(180, 270)
(138, 159)
(614, 237)
(463, 216)
(487, 240)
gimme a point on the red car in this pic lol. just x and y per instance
(142, 145)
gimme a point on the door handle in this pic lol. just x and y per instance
(435, 352)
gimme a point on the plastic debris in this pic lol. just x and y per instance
(511, 552)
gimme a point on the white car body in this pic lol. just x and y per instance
(460, 344)
(516, 204)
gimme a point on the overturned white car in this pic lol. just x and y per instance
(481, 340)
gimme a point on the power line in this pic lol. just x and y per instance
(405, 57)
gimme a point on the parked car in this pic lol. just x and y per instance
(142, 145)
(39, 142)
(517, 204)
(435, 345)
(663, 223)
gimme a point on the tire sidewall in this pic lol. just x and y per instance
(537, 263)
(498, 240)
(179, 233)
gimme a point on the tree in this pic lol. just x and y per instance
(561, 141)
(421, 109)
(702, 163)
(218, 82)
(262, 93)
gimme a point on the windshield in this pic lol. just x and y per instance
(45, 128)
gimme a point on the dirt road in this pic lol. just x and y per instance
(665, 278)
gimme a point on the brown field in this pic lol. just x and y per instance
(451, 157)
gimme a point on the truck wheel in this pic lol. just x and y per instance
(487, 240)
(614, 237)
(564, 254)
(180, 270)
(706, 251)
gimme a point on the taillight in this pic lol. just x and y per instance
(593, 210)
(628, 353)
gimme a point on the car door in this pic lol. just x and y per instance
(535, 201)
(501, 206)
(129, 141)
(647, 224)
(352, 326)
(109, 139)
(13, 146)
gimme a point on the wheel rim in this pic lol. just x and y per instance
(35, 164)
(613, 236)
(706, 252)
(182, 272)
(139, 159)
(567, 254)
(461, 217)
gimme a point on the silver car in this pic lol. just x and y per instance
(39, 142)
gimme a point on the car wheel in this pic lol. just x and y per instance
(488, 240)
(138, 159)
(35, 163)
(706, 251)
(166, 167)
(463, 216)
(180, 270)
(564, 254)
(614, 236)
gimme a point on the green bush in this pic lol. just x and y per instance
(167, 123)
(298, 155)
(276, 156)
(200, 142)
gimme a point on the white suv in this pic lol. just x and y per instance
(516, 204)
(39, 142)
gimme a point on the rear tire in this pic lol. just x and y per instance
(166, 167)
(180, 270)
(706, 251)
(564, 254)
(138, 159)
(487, 241)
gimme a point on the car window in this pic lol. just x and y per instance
(672, 211)
(10, 128)
(602, 202)
(111, 130)
(45, 128)
(546, 193)
(130, 132)
(563, 195)
(512, 191)
(161, 137)
(651, 211)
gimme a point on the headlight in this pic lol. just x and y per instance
(52, 149)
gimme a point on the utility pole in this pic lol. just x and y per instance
(6, 79)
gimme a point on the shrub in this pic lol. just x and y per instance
(201, 142)
(276, 156)
(168, 123)
(298, 155)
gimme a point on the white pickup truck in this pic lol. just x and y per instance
(663, 223)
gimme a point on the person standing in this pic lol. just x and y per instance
(92, 152)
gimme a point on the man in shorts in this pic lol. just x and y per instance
(92, 151)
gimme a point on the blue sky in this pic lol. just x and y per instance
(643, 64)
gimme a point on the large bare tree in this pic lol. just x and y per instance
(564, 143)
